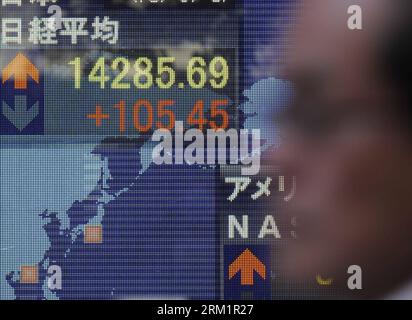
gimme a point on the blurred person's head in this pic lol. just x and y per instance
(348, 140)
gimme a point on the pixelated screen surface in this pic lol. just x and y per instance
(112, 183)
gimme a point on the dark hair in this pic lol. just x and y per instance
(397, 56)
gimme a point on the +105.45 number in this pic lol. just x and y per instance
(166, 118)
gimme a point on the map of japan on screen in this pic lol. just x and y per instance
(134, 139)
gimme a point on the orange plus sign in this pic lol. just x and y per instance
(98, 116)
